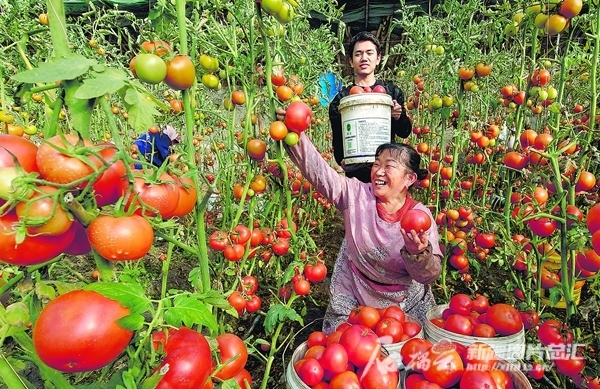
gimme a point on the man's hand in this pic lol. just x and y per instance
(396, 110)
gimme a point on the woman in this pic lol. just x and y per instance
(379, 264)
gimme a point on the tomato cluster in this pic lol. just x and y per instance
(357, 89)
(157, 63)
(476, 317)
(189, 361)
(35, 212)
(450, 364)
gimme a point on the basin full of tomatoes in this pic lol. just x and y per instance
(356, 352)
(478, 318)
(452, 365)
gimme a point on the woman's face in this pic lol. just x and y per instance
(390, 178)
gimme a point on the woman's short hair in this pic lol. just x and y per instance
(406, 155)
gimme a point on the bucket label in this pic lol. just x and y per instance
(362, 136)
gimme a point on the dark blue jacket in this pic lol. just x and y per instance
(154, 147)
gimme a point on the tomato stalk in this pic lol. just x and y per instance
(594, 76)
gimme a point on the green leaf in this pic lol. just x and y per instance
(44, 291)
(132, 322)
(66, 68)
(80, 111)
(214, 298)
(187, 310)
(130, 295)
(17, 314)
(101, 83)
(64, 287)
(279, 313)
(140, 109)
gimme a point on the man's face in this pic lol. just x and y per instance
(365, 58)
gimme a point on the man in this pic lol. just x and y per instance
(365, 55)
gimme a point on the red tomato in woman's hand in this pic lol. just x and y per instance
(69, 329)
(298, 116)
(415, 219)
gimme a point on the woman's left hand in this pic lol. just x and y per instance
(415, 242)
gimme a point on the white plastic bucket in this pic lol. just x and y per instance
(292, 381)
(394, 349)
(510, 348)
(366, 124)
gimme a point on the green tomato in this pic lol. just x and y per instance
(291, 138)
(552, 92)
(150, 68)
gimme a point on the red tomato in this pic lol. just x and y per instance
(486, 241)
(316, 338)
(505, 319)
(283, 230)
(389, 330)
(256, 237)
(537, 371)
(188, 196)
(256, 149)
(106, 187)
(237, 301)
(218, 240)
(356, 89)
(233, 355)
(43, 213)
(243, 379)
(543, 226)
(121, 238)
(461, 304)
(301, 287)
(334, 358)
(483, 330)
(480, 356)
(476, 379)
(553, 332)
(181, 73)
(502, 379)
(413, 351)
(309, 370)
(24, 150)
(240, 234)
(316, 272)
(415, 219)
(458, 324)
(248, 285)
(361, 343)
(589, 260)
(344, 380)
(530, 318)
(28, 251)
(571, 366)
(381, 373)
(298, 116)
(411, 329)
(61, 168)
(445, 366)
(234, 252)
(254, 304)
(515, 160)
(149, 198)
(593, 218)
(395, 312)
(367, 316)
(480, 304)
(188, 358)
(69, 329)
(281, 246)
